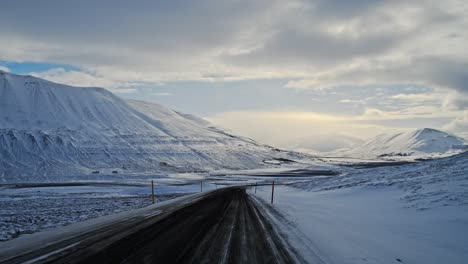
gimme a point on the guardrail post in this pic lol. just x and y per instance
(201, 186)
(272, 191)
(152, 191)
(255, 187)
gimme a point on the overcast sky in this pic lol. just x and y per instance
(287, 73)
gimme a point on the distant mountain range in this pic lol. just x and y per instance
(50, 131)
(324, 143)
(418, 143)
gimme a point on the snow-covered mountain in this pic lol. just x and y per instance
(49, 129)
(424, 142)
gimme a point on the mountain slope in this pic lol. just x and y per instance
(48, 130)
(418, 143)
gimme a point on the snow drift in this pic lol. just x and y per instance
(48, 130)
(424, 142)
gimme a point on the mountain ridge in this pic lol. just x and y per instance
(424, 142)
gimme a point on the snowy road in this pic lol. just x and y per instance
(223, 226)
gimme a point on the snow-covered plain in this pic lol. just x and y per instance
(415, 213)
(28, 210)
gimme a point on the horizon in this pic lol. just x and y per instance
(288, 75)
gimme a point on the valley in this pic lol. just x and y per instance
(76, 167)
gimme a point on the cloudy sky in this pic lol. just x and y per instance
(289, 73)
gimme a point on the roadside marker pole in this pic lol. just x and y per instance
(255, 187)
(272, 191)
(201, 186)
(152, 190)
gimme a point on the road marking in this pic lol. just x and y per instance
(50, 254)
(152, 214)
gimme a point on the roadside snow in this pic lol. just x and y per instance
(33, 209)
(415, 213)
(371, 226)
(26, 242)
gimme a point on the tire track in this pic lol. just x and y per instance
(224, 226)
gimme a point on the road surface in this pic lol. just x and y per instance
(224, 226)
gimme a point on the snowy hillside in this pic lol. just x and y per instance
(50, 130)
(424, 142)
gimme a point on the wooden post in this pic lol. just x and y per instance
(201, 186)
(272, 191)
(152, 191)
(255, 187)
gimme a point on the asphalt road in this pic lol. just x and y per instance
(224, 226)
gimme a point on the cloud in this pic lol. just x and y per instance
(75, 78)
(309, 130)
(438, 72)
(429, 71)
(459, 125)
(125, 90)
(146, 38)
(292, 47)
(421, 111)
(456, 102)
(419, 97)
(316, 44)
(87, 79)
(297, 129)
(346, 101)
(311, 46)
(162, 94)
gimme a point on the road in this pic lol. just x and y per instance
(224, 226)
